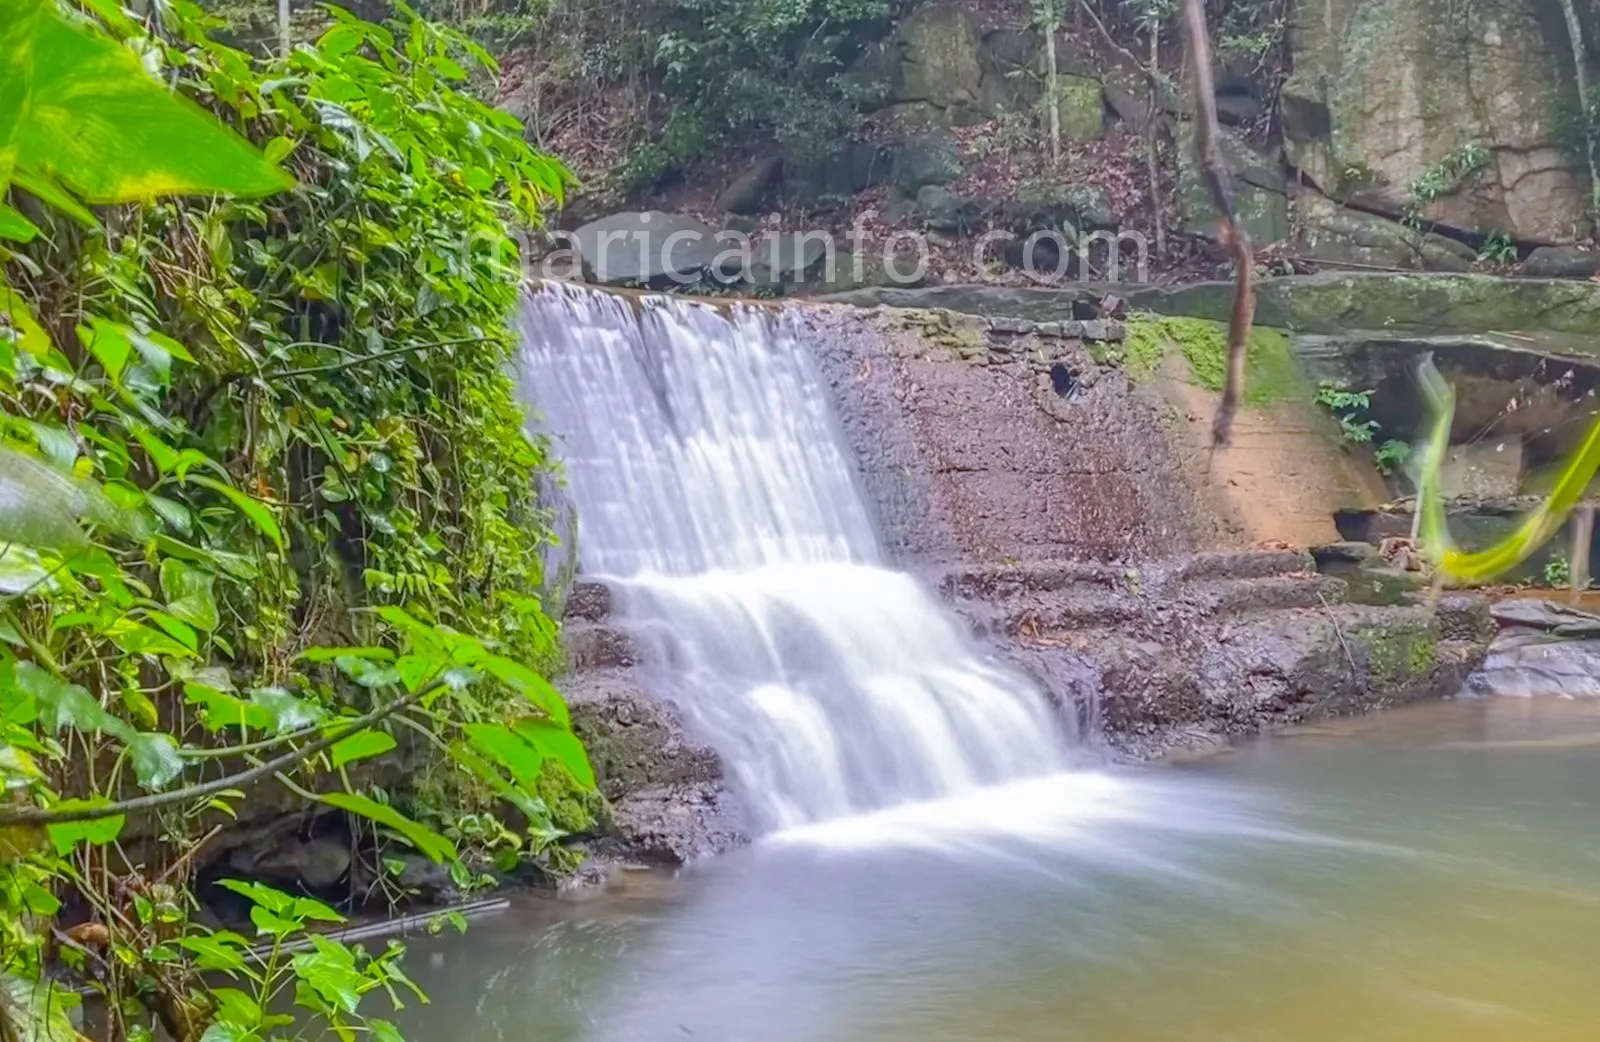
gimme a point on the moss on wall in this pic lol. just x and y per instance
(1271, 375)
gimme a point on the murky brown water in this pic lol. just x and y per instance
(1427, 875)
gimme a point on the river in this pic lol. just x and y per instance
(940, 858)
(1431, 873)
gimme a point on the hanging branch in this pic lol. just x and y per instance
(1233, 237)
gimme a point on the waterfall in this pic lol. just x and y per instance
(717, 499)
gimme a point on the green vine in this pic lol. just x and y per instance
(266, 501)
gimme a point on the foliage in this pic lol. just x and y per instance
(1346, 406)
(1499, 248)
(261, 474)
(1558, 571)
(1391, 456)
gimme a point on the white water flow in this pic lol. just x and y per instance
(716, 497)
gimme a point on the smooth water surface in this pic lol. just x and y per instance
(1428, 875)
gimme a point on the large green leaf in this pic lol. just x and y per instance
(559, 744)
(92, 115)
(508, 749)
(434, 846)
(38, 1009)
(155, 759)
(363, 745)
(96, 831)
(189, 593)
(39, 505)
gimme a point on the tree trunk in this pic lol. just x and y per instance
(1152, 166)
(283, 28)
(1052, 23)
(1585, 106)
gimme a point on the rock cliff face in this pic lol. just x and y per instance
(1386, 91)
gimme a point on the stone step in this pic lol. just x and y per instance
(997, 582)
(1244, 564)
(1271, 593)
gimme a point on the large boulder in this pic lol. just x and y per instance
(1388, 91)
(1337, 234)
(1562, 262)
(1260, 189)
(646, 249)
(930, 158)
(938, 51)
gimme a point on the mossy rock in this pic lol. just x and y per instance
(573, 809)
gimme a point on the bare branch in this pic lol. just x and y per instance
(1219, 184)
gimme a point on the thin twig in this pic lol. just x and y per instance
(1355, 674)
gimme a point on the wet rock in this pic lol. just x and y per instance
(676, 824)
(1239, 109)
(1528, 664)
(1484, 469)
(852, 167)
(279, 854)
(646, 249)
(1331, 232)
(1562, 262)
(428, 880)
(1550, 616)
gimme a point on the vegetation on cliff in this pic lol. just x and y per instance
(267, 507)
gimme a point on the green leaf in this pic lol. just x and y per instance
(260, 895)
(329, 969)
(432, 845)
(39, 505)
(16, 227)
(40, 1007)
(221, 952)
(93, 115)
(363, 745)
(559, 744)
(258, 512)
(62, 705)
(506, 748)
(224, 710)
(97, 831)
(108, 342)
(189, 593)
(383, 1031)
(56, 443)
(288, 712)
(155, 759)
(270, 923)
(374, 654)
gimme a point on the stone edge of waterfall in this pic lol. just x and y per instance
(1161, 648)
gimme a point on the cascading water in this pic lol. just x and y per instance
(715, 496)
